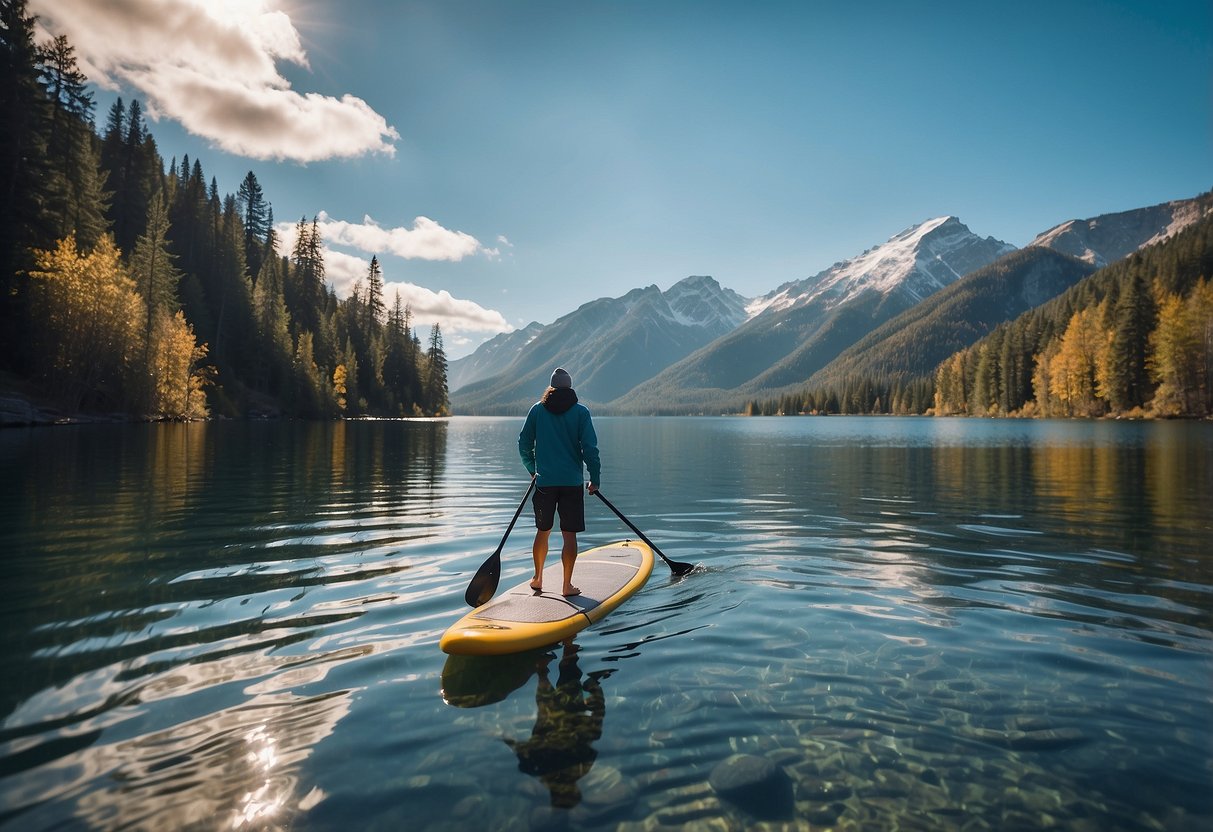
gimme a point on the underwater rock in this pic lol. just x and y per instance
(754, 784)
(823, 814)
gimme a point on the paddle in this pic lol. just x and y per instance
(484, 582)
(676, 567)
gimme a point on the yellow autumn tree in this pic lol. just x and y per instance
(950, 395)
(86, 309)
(1072, 371)
(1181, 353)
(95, 352)
(180, 378)
(339, 390)
(1042, 379)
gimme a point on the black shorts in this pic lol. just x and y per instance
(567, 499)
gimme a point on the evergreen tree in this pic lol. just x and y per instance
(255, 214)
(113, 140)
(305, 284)
(985, 391)
(24, 220)
(374, 296)
(131, 189)
(272, 356)
(435, 386)
(155, 274)
(73, 184)
(1133, 319)
(234, 319)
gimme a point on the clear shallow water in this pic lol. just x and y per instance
(931, 624)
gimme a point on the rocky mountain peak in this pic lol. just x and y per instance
(915, 262)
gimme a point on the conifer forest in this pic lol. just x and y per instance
(131, 286)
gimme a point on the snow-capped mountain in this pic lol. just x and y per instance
(491, 357)
(609, 345)
(800, 327)
(915, 263)
(914, 342)
(700, 301)
(1110, 237)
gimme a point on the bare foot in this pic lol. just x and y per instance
(570, 591)
(537, 584)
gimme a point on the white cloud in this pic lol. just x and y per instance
(426, 240)
(457, 316)
(212, 65)
(343, 270)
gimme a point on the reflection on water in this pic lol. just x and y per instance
(934, 624)
(569, 717)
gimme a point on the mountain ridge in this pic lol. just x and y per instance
(799, 327)
(793, 335)
(1110, 237)
(914, 342)
(610, 345)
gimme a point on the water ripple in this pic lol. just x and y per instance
(236, 626)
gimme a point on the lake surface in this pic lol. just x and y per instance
(903, 623)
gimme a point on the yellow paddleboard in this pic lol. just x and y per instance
(522, 618)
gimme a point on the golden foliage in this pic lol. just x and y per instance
(88, 310)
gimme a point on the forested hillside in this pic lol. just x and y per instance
(910, 346)
(1134, 338)
(132, 286)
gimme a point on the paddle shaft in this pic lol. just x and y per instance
(675, 566)
(517, 512)
(484, 582)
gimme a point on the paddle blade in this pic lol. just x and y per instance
(484, 582)
(680, 567)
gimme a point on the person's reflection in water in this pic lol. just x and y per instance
(569, 719)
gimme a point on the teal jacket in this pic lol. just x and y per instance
(557, 439)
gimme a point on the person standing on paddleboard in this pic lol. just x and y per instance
(556, 441)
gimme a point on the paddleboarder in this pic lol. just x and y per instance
(557, 444)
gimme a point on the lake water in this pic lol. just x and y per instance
(903, 623)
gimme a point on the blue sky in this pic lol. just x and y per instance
(562, 151)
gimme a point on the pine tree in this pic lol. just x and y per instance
(74, 186)
(1128, 381)
(113, 140)
(155, 274)
(129, 208)
(435, 384)
(24, 220)
(305, 283)
(255, 214)
(374, 296)
(273, 351)
(234, 319)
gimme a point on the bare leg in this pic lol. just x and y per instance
(540, 552)
(568, 557)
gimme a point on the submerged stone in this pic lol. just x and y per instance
(754, 784)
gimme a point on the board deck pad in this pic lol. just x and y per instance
(597, 576)
(522, 618)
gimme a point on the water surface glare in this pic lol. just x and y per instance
(899, 622)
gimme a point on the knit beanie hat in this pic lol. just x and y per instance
(561, 378)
